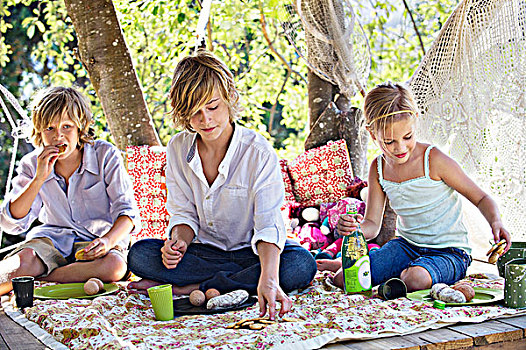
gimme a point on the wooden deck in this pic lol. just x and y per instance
(503, 334)
(15, 337)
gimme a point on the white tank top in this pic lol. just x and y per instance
(429, 211)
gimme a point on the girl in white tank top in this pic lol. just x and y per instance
(421, 184)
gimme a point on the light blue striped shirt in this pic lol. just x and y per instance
(98, 193)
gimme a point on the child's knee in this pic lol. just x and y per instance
(30, 263)
(112, 268)
(416, 278)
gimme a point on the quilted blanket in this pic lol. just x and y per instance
(321, 315)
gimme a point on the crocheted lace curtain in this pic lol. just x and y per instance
(471, 88)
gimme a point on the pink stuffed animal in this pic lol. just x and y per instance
(309, 234)
(311, 237)
(333, 212)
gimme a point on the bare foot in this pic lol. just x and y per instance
(184, 290)
(328, 265)
(142, 285)
(138, 291)
(337, 279)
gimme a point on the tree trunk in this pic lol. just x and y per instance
(331, 121)
(104, 53)
(334, 120)
(352, 130)
(320, 95)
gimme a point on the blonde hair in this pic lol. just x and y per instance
(195, 79)
(386, 104)
(52, 103)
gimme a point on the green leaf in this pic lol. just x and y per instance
(31, 31)
(40, 26)
(64, 77)
(181, 17)
(26, 21)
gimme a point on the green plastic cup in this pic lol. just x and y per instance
(162, 302)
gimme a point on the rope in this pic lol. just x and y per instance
(19, 130)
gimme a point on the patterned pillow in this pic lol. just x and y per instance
(322, 174)
(146, 166)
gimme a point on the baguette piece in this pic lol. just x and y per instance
(227, 300)
(441, 291)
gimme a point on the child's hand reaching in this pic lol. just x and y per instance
(172, 252)
(499, 233)
(348, 223)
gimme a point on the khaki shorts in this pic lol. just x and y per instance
(51, 257)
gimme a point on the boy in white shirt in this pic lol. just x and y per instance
(224, 196)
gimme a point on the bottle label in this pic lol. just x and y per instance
(357, 278)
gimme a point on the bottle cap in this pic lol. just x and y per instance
(439, 304)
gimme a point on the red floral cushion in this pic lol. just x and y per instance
(287, 181)
(152, 229)
(321, 174)
(146, 166)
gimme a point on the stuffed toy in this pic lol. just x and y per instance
(356, 189)
(309, 234)
(334, 210)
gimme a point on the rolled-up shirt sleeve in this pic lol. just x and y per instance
(119, 189)
(269, 195)
(9, 224)
(179, 204)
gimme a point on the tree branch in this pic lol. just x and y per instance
(275, 105)
(415, 27)
(271, 47)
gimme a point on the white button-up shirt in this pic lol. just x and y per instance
(98, 193)
(241, 207)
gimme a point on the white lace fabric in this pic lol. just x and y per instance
(470, 88)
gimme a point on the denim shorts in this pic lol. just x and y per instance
(445, 265)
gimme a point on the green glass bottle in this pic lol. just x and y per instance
(356, 265)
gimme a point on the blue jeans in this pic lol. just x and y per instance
(225, 271)
(445, 265)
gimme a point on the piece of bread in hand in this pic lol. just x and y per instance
(80, 254)
(496, 251)
(497, 246)
(61, 149)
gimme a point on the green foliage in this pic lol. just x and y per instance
(395, 48)
(160, 32)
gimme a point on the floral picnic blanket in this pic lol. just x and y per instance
(321, 314)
